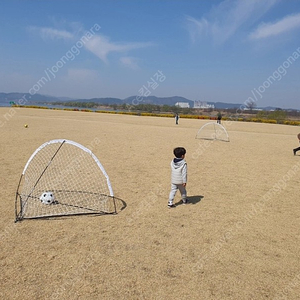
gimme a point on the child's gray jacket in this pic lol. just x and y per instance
(178, 171)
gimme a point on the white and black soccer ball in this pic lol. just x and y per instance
(47, 198)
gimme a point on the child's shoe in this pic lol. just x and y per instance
(170, 204)
(184, 201)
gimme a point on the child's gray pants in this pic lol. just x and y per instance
(174, 188)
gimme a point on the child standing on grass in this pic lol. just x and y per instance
(178, 176)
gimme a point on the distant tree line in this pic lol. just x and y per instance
(77, 104)
(278, 115)
(127, 107)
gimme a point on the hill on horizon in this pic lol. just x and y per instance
(18, 98)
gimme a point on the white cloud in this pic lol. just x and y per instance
(197, 28)
(101, 46)
(52, 33)
(265, 30)
(130, 62)
(224, 20)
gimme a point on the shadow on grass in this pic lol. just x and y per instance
(116, 206)
(120, 204)
(192, 200)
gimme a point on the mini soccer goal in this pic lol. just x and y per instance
(213, 131)
(63, 178)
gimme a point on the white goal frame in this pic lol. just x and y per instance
(22, 197)
(214, 136)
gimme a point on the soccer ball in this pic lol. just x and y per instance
(26, 126)
(47, 198)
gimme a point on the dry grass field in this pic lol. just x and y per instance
(238, 238)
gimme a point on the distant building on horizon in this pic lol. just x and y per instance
(202, 104)
(182, 104)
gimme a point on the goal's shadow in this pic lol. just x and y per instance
(192, 200)
(111, 205)
(121, 204)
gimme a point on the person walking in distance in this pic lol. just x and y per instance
(297, 149)
(219, 118)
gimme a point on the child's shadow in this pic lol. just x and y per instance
(192, 200)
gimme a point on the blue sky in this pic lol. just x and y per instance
(228, 51)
